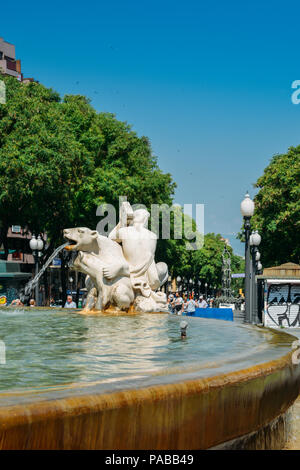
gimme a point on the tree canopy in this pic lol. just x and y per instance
(277, 209)
(59, 159)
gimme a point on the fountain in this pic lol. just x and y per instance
(122, 381)
(25, 293)
(121, 271)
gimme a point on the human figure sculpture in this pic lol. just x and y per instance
(121, 270)
(139, 245)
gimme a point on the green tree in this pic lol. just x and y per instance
(40, 160)
(207, 262)
(60, 159)
(178, 252)
(277, 209)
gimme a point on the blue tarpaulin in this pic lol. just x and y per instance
(216, 313)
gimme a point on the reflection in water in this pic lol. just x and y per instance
(52, 347)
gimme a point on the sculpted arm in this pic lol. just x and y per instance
(114, 234)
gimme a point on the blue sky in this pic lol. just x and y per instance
(208, 82)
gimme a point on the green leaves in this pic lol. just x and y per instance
(277, 209)
(60, 159)
(207, 262)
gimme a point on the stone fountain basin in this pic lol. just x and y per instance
(132, 383)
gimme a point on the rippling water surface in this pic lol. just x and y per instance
(48, 347)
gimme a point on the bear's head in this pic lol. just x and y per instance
(80, 238)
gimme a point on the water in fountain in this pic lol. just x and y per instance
(26, 291)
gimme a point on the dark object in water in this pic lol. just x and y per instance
(183, 327)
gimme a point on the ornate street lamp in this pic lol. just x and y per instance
(205, 290)
(259, 266)
(255, 240)
(71, 282)
(178, 280)
(36, 245)
(247, 210)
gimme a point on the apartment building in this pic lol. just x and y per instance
(9, 65)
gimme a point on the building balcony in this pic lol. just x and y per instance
(10, 68)
(11, 65)
(22, 258)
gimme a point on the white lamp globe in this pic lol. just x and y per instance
(255, 238)
(178, 279)
(259, 266)
(257, 256)
(40, 243)
(33, 243)
(247, 206)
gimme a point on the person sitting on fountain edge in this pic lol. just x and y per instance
(17, 302)
(70, 303)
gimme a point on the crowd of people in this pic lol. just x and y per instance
(69, 303)
(185, 303)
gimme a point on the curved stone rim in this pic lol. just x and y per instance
(218, 409)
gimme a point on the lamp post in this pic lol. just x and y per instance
(71, 282)
(205, 291)
(178, 281)
(191, 285)
(255, 240)
(36, 245)
(247, 210)
(199, 288)
(259, 267)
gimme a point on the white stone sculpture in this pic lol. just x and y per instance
(121, 269)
